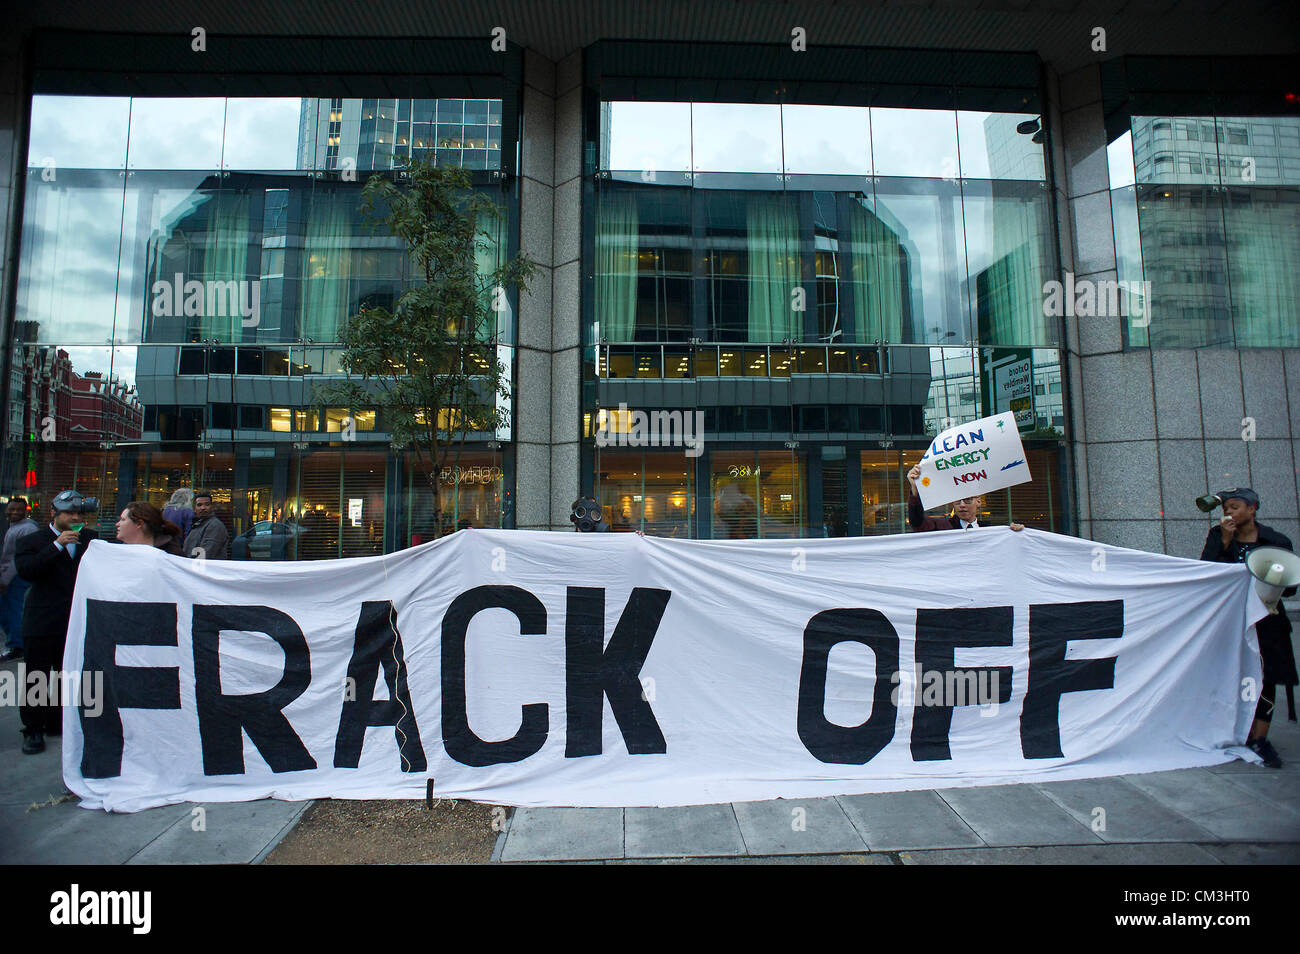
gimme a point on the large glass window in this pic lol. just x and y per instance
(821, 222)
(1206, 209)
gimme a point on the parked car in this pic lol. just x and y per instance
(267, 540)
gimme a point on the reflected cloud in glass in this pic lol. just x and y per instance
(79, 132)
(736, 137)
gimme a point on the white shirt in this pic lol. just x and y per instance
(71, 548)
(967, 525)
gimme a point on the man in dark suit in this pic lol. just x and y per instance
(48, 559)
(965, 512)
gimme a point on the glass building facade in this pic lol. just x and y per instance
(189, 262)
(819, 263)
(827, 273)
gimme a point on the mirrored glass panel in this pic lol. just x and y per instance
(78, 132)
(176, 133)
(914, 142)
(1000, 145)
(1009, 257)
(827, 140)
(925, 216)
(736, 137)
(67, 274)
(646, 136)
(264, 134)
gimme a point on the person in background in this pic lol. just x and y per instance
(49, 559)
(13, 588)
(1231, 542)
(965, 512)
(180, 511)
(143, 523)
(208, 538)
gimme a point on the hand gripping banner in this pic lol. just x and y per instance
(536, 668)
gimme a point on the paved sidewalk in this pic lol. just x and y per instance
(34, 831)
(1237, 813)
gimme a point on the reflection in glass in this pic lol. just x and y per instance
(914, 142)
(78, 132)
(826, 140)
(1263, 228)
(925, 215)
(176, 133)
(736, 137)
(67, 275)
(262, 134)
(647, 136)
(992, 148)
(1009, 256)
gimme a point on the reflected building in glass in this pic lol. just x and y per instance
(819, 263)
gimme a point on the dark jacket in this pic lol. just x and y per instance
(211, 535)
(53, 574)
(168, 544)
(921, 523)
(1274, 630)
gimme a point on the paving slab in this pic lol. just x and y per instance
(1220, 804)
(1128, 814)
(894, 820)
(684, 831)
(797, 826)
(232, 833)
(564, 834)
(1016, 815)
(1237, 854)
(863, 858)
(1162, 854)
(1282, 789)
(67, 835)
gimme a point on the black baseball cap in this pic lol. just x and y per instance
(1241, 493)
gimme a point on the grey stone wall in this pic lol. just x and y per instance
(550, 336)
(1154, 429)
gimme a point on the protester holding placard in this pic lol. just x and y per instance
(964, 516)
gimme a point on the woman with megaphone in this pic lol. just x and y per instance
(1232, 542)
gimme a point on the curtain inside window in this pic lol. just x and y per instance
(1263, 252)
(772, 242)
(225, 259)
(1009, 292)
(876, 271)
(617, 244)
(327, 267)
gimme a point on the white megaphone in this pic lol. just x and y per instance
(1274, 570)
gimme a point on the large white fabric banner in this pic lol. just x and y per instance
(535, 668)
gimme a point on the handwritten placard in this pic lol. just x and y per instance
(972, 459)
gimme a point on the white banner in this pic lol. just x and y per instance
(534, 668)
(972, 459)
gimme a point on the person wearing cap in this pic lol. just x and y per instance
(48, 559)
(965, 512)
(1231, 542)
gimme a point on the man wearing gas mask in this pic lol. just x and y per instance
(49, 558)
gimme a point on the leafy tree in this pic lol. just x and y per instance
(429, 364)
